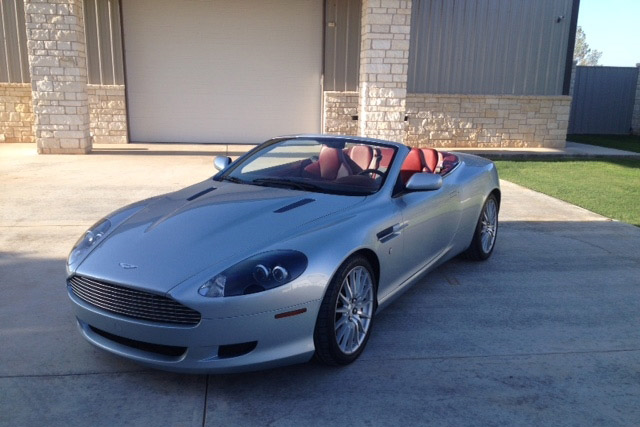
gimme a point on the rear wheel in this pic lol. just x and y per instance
(346, 314)
(484, 237)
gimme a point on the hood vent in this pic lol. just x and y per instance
(202, 193)
(294, 205)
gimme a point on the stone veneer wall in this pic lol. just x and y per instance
(58, 68)
(466, 120)
(384, 61)
(487, 121)
(107, 114)
(16, 113)
(340, 108)
(635, 121)
(107, 108)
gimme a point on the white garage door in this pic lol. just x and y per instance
(222, 71)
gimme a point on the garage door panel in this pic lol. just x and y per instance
(220, 71)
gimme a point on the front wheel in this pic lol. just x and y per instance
(484, 237)
(346, 314)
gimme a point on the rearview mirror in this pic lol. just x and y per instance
(221, 162)
(424, 182)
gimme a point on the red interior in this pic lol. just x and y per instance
(329, 162)
(431, 158)
(427, 160)
(449, 161)
(362, 155)
(412, 164)
(387, 154)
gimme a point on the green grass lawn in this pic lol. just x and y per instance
(610, 187)
(619, 142)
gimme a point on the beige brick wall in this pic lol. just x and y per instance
(466, 120)
(339, 110)
(107, 108)
(58, 67)
(384, 59)
(487, 121)
(107, 114)
(16, 113)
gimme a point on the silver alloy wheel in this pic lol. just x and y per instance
(489, 225)
(354, 309)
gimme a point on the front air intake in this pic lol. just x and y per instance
(164, 350)
(235, 350)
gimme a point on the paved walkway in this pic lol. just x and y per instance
(545, 332)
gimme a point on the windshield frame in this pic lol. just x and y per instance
(225, 175)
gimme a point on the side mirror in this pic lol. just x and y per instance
(221, 162)
(424, 182)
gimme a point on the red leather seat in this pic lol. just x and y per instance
(421, 160)
(362, 155)
(331, 164)
(386, 155)
(431, 158)
(412, 164)
(449, 161)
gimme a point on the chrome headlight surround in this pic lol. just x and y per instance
(89, 239)
(258, 273)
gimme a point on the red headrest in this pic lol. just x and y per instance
(362, 156)
(431, 158)
(412, 164)
(414, 161)
(328, 165)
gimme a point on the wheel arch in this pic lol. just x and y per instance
(323, 352)
(371, 257)
(373, 260)
(496, 192)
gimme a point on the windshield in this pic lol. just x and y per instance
(326, 165)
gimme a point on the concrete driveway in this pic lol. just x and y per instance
(545, 332)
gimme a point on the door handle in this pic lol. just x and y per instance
(397, 228)
(391, 232)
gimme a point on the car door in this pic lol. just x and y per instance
(430, 220)
(390, 248)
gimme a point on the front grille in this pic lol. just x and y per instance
(132, 303)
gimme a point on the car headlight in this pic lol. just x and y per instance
(89, 239)
(256, 274)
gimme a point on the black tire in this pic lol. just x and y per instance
(328, 349)
(478, 251)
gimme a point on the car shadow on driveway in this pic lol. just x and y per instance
(546, 331)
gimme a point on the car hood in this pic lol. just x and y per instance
(182, 233)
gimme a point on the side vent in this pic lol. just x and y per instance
(202, 193)
(294, 205)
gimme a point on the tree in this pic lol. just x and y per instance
(582, 52)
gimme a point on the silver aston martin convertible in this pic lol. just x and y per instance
(285, 254)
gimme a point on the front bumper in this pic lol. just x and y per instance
(278, 341)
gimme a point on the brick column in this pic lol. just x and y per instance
(635, 121)
(384, 62)
(58, 65)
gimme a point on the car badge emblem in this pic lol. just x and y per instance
(127, 266)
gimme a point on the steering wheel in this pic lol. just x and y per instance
(372, 171)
